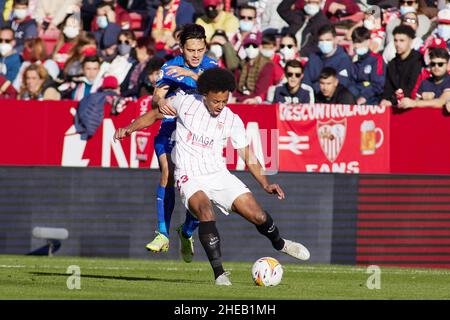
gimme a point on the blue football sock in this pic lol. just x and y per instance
(190, 224)
(169, 204)
(160, 196)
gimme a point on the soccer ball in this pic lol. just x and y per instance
(267, 272)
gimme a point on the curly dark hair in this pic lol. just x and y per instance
(216, 80)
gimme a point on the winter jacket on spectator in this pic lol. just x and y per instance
(10, 65)
(368, 77)
(225, 21)
(26, 29)
(341, 96)
(296, 20)
(402, 74)
(340, 61)
(54, 10)
(305, 94)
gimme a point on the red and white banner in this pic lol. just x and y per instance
(301, 138)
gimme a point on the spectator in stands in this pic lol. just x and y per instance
(288, 50)
(409, 19)
(223, 51)
(108, 44)
(9, 59)
(331, 91)
(37, 84)
(336, 10)
(121, 16)
(85, 85)
(102, 26)
(330, 55)
(406, 6)
(169, 15)
(70, 31)
(268, 48)
(23, 25)
(35, 52)
(50, 13)
(293, 91)
(247, 26)
(404, 70)
(85, 46)
(368, 70)
(151, 76)
(255, 74)
(271, 22)
(7, 90)
(373, 21)
(434, 91)
(442, 30)
(216, 18)
(304, 23)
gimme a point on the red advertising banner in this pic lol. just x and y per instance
(302, 138)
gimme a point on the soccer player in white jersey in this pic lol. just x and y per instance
(204, 124)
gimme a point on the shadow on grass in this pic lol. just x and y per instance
(122, 278)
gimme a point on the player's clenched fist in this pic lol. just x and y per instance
(122, 133)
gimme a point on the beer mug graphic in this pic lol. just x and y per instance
(368, 137)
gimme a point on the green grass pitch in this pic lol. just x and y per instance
(26, 277)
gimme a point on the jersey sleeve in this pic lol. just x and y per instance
(238, 135)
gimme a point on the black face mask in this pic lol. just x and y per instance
(211, 12)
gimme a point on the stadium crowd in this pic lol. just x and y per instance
(393, 53)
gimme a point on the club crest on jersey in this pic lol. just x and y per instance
(199, 140)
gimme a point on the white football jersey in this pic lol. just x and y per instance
(200, 138)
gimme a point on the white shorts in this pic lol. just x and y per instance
(222, 188)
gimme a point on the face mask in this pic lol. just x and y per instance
(361, 51)
(369, 24)
(326, 46)
(124, 49)
(5, 48)
(311, 9)
(217, 50)
(288, 54)
(212, 14)
(20, 13)
(268, 53)
(102, 22)
(71, 32)
(251, 52)
(444, 31)
(245, 25)
(406, 9)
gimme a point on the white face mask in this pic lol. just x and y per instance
(5, 48)
(288, 54)
(311, 9)
(444, 31)
(245, 25)
(406, 9)
(20, 13)
(369, 24)
(102, 22)
(251, 52)
(216, 50)
(268, 53)
(71, 32)
(361, 51)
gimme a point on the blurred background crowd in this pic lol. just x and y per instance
(289, 51)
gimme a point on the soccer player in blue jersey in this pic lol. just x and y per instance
(177, 76)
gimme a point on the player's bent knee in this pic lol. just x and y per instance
(259, 218)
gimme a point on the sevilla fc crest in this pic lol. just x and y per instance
(332, 137)
(142, 143)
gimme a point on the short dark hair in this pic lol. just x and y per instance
(246, 6)
(293, 64)
(216, 80)
(360, 34)
(269, 39)
(290, 35)
(90, 59)
(21, 2)
(439, 53)
(327, 72)
(192, 31)
(327, 28)
(404, 29)
(154, 64)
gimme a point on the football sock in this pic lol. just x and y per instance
(165, 202)
(169, 204)
(190, 224)
(270, 230)
(210, 240)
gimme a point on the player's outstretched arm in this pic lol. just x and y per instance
(142, 122)
(257, 172)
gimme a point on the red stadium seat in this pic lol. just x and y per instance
(50, 38)
(136, 21)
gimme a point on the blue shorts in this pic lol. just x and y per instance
(163, 141)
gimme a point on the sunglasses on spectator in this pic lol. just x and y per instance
(247, 18)
(124, 41)
(410, 20)
(5, 40)
(251, 45)
(439, 64)
(408, 2)
(291, 74)
(290, 46)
